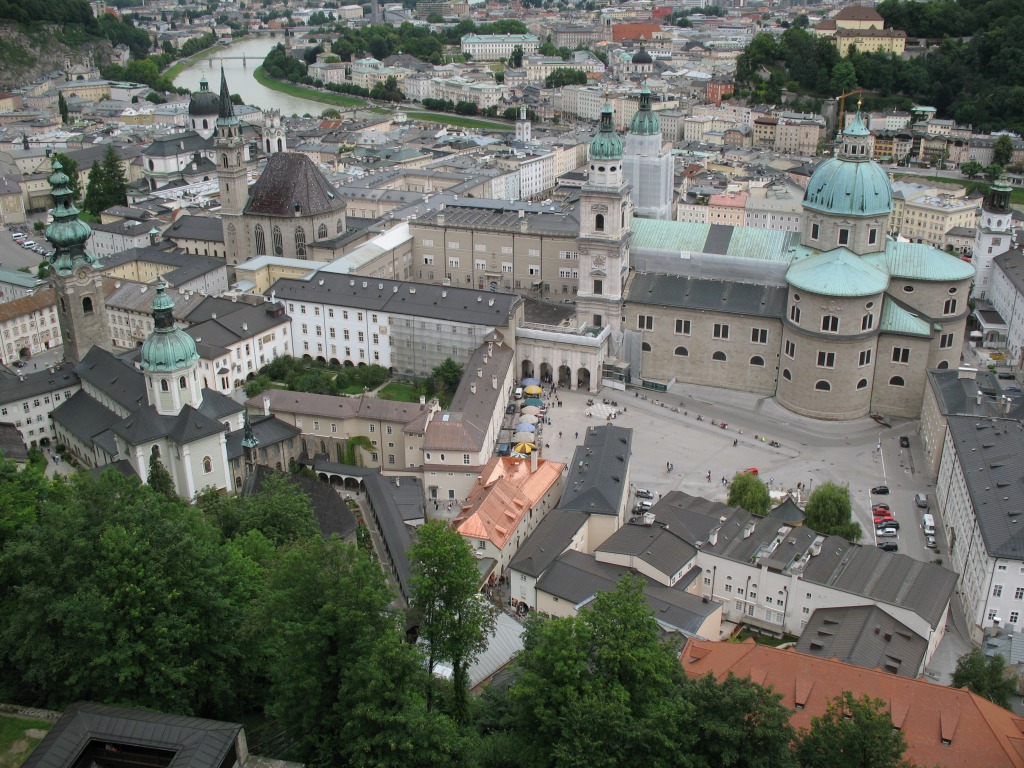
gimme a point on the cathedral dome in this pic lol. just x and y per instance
(645, 122)
(851, 183)
(606, 145)
(168, 348)
(204, 102)
(642, 57)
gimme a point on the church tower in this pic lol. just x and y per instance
(649, 166)
(523, 127)
(274, 140)
(606, 212)
(234, 185)
(249, 445)
(993, 236)
(77, 283)
(170, 361)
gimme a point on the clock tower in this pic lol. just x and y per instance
(231, 175)
(77, 282)
(606, 212)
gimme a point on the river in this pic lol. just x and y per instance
(240, 79)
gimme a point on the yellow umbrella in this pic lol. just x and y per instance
(525, 448)
(533, 389)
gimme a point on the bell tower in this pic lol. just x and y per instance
(77, 283)
(993, 235)
(606, 213)
(231, 174)
(274, 140)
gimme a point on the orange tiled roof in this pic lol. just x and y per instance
(26, 305)
(977, 731)
(505, 491)
(635, 32)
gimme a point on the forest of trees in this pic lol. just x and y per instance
(237, 609)
(979, 81)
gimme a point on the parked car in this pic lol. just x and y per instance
(880, 490)
(28, 244)
(17, 235)
(643, 506)
(1015, 390)
(888, 546)
(887, 532)
(511, 408)
(930, 541)
(881, 507)
(750, 471)
(904, 441)
(643, 493)
(921, 500)
(1005, 376)
(18, 363)
(883, 518)
(887, 524)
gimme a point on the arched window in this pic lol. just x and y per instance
(206, 123)
(339, 227)
(151, 165)
(300, 241)
(224, 160)
(682, 352)
(156, 451)
(280, 146)
(268, 146)
(719, 356)
(207, 465)
(87, 305)
(645, 347)
(278, 241)
(164, 387)
(321, 233)
(757, 360)
(823, 386)
(182, 383)
(261, 241)
(943, 365)
(786, 374)
(896, 381)
(862, 384)
(599, 222)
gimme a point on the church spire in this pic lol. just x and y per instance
(67, 233)
(226, 115)
(249, 443)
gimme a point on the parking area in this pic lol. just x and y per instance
(14, 256)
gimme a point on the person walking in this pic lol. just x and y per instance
(577, 435)
(709, 475)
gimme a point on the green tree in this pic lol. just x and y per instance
(330, 113)
(741, 724)
(748, 492)
(159, 478)
(972, 168)
(853, 733)
(281, 511)
(454, 619)
(601, 689)
(985, 676)
(993, 172)
(1002, 152)
(20, 494)
(565, 76)
(446, 376)
(62, 107)
(70, 167)
(844, 77)
(829, 511)
(515, 61)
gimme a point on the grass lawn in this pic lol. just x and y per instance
(15, 743)
(302, 92)
(401, 392)
(464, 122)
(353, 389)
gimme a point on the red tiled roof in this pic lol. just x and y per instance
(978, 732)
(622, 32)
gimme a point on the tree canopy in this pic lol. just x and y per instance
(749, 492)
(853, 733)
(985, 676)
(829, 511)
(108, 185)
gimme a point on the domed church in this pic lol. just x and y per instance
(836, 321)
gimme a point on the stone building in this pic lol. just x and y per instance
(649, 165)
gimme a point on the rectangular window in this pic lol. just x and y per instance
(997, 590)
(865, 358)
(759, 335)
(826, 359)
(645, 322)
(721, 331)
(598, 287)
(946, 341)
(830, 324)
(900, 355)
(815, 231)
(535, 269)
(1018, 593)
(683, 327)
(1014, 615)
(872, 236)
(844, 237)
(867, 322)
(465, 458)
(506, 267)
(728, 587)
(790, 349)
(453, 262)
(316, 426)
(949, 308)
(794, 314)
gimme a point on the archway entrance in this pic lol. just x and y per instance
(564, 376)
(527, 367)
(583, 378)
(545, 371)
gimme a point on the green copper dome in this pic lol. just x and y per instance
(606, 145)
(67, 233)
(851, 183)
(168, 348)
(645, 121)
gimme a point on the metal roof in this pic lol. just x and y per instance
(549, 539)
(683, 237)
(730, 296)
(919, 261)
(897, 319)
(657, 544)
(838, 272)
(596, 482)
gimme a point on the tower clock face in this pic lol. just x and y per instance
(83, 273)
(599, 261)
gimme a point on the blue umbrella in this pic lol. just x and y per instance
(530, 382)
(524, 427)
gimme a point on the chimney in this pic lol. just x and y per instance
(398, 482)
(472, 387)
(423, 400)
(245, 326)
(522, 213)
(494, 381)
(479, 373)
(533, 460)
(266, 406)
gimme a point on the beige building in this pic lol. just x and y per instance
(29, 325)
(927, 213)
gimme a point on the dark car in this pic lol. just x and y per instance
(1012, 389)
(511, 409)
(1006, 376)
(904, 442)
(880, 490)
(881, 506)
(889, 546)
(18, 363)
(887, 524)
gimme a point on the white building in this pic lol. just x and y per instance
(108, 239)
(29, 325)
(648, 164)
(993, 236)
(28, 402)
(1007, 300)
(497, 47)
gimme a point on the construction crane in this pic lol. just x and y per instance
(841, 119)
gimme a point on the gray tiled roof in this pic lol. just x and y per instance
(989, 452)
(187, 266)
(268, 430)
(466, 305)
(196, 228)
(122, 383)
(14, 388)
(386, 496)
(596, 481)
(504, 215)
(549, 539)
(958, 396)
(223, 331)
(289, 179)
(657, 544)
(171, 145)
(194, 742)
(729, 296)
(577, 577)
(866, 636)
(217, 406)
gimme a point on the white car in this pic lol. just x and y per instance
(28, 243)
(888, 532)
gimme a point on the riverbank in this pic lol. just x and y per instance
(301, 92)
(182, 64)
